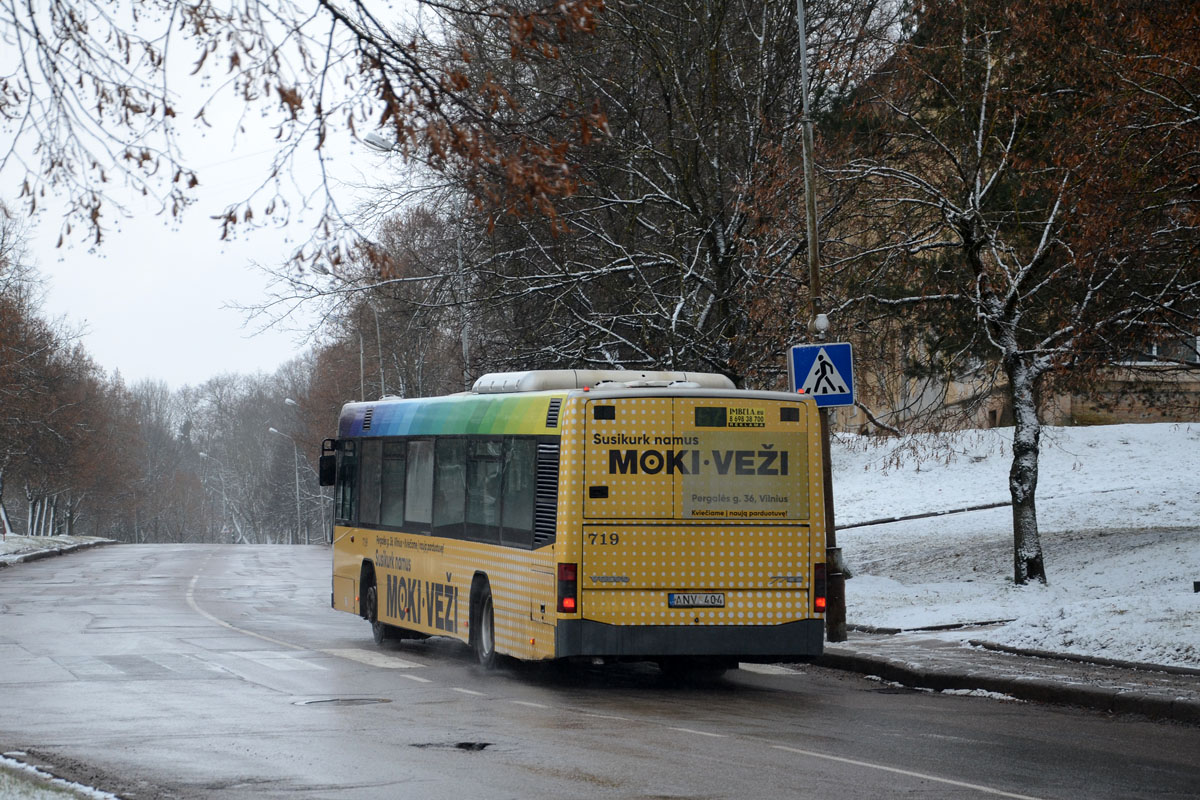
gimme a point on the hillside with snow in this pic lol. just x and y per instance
(1119, 514)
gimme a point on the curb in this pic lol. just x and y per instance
(37, 555)
(1141, 666)
(949, 626)
(1033, 689)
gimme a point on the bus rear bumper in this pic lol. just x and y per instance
(802, 640)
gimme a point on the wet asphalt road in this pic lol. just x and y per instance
(193, 671)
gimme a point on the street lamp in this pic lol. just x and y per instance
(296, 464)
(377, 142)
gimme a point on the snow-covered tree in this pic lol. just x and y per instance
(1027, 175)
(650, 262)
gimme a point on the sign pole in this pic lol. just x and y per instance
(835, 613)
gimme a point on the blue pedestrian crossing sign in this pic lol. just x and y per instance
(825, 371)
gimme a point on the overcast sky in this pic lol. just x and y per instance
(152, 302)
(156, 299)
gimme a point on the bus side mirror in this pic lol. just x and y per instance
(328, 470)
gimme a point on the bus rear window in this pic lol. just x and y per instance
(710, 417)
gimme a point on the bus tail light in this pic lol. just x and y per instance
(818, 588)
(568, 588)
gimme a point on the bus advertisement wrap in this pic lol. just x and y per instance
(632, 518)
(721, 479)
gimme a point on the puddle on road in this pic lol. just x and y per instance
(464, 746)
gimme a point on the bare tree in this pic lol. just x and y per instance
(97, 96)
(1020, 169)
(654, 254)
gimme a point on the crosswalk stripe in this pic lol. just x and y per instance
(373, 659)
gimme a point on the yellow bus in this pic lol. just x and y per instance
(584, 514)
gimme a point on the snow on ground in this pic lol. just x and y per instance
(1119, 514)
(13, 547)
(18, 779)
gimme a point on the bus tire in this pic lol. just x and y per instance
(483, 622)
(379, 631)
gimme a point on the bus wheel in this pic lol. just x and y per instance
(485, 629)
(379, 630)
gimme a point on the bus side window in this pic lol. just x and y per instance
(368, 485)
(346, 489)
(449, 488)
(484, 467)
(520, 456)
(418, 486)
(392, 481)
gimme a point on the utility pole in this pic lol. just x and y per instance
(362, 377)
(835, 592)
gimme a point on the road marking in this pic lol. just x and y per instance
(191, 601)
(186, 663)
(467, 691)
(361, 656)
(85, 667)
(606, 716)
(921, 775)
(698, 733)
(373, 659)
(416, 678)
(281, 662)
(529, 704)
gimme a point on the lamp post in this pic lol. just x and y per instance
(835, 617)
(296, 465)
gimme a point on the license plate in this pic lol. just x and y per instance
(696, 599)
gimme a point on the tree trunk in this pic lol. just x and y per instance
(1022, 477)
(72, 512)
(30, 511)
(37, 510)
(5, 526)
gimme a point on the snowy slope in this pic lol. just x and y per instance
(1119, 512)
